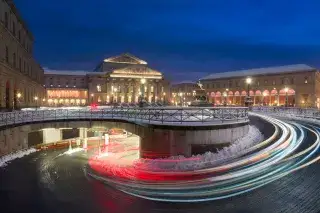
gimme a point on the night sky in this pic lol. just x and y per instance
(185, 39)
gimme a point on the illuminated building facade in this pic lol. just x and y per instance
(183, 93)
(65, 88)
(21, 77)
(292, 85)
(121, 79)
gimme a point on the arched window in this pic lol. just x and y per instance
(305, 80)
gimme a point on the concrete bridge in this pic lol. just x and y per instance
(163, 131)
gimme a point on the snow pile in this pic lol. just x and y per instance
(181, 163)
(19, 154)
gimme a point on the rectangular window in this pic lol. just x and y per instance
(274, 82)
(265, 82)
(306, 80)
(152, 88)
(14, 28)
(14, 60)
(6, 20)
(20, 64)
(258, 83)
(7, 54)
(19, 35)
(238, 84)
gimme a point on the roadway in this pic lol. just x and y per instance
(47, 181)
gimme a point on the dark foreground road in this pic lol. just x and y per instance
(45, 183)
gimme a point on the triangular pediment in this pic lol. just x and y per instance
(125, 58)
(136, 71)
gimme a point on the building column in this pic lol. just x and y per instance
(149, 91)
(2, 93)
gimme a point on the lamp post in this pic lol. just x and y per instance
(225, 98)
(142, 88)
(180, 97)
(248, 99)
(18, 98)
(286, 90)
(115, 91)
(92, 95)
(36, 99)
(164, 98)
(264, 98)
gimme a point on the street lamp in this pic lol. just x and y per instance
(92, 95)
(264, 98)
(286, 91)
(225, 98)
(142, 82)
(180, 95)
(164, 97)
(36, 99)
(248, 100)
(18, 97)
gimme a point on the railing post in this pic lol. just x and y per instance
(222, 117)
(237, 114)
(201, 115)
(162, 115)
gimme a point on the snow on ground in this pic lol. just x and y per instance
(177, 163)
(19, 154)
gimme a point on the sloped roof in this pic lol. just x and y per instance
(125, 58)
(261, 71)
(64, 72)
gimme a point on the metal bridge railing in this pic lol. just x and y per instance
(164, 115)
(288, 111)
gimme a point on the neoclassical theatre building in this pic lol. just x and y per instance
(117, 79)
(292, 85)
(21, 76)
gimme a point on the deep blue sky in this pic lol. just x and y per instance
(185, 39)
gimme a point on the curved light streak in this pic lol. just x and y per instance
(270, 160)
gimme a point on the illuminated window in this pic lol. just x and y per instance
(98, 88)
(152, 88)
(305, 80)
